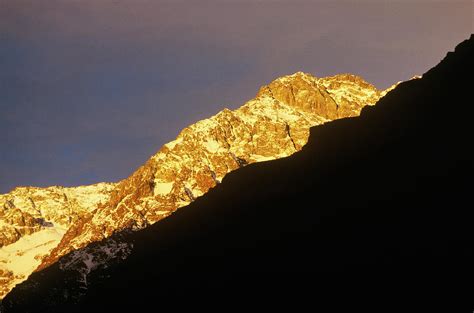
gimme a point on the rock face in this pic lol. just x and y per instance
(26, 210)
(32, 222)
(372, 207)
(275, 124)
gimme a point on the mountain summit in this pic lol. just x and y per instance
(373, 208)
(39, 225)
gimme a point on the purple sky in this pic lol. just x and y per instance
(90, 89)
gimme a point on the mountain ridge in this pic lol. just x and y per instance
(274, 124)
(237, 154)
(377, 205)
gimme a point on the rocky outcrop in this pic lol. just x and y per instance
(373, 207)
(275, 124)
(16, 223)
(31, 219)
(26, 210)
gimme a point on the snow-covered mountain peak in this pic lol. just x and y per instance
(273, 125)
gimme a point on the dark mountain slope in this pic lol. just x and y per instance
(375, 208)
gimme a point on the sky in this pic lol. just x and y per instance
(89, 90)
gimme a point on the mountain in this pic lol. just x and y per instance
(34, 220)
(374, 208)
(39, 225)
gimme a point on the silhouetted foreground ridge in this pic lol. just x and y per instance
(377, 207)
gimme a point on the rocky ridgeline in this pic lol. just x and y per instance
(273, 125)
(26, 210)
(33, 211)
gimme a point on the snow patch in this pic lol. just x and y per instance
(22, 257)
(102, 255)
(163, 188)
(261, 158)
(172, 144)
(211, 145)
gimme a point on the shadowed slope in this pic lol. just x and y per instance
(383, 199)
(273, 125)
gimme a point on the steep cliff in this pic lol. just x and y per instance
(275, 124)
(375, 207)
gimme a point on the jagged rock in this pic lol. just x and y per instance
(375, 207)
(273, 125)
(32, 222)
